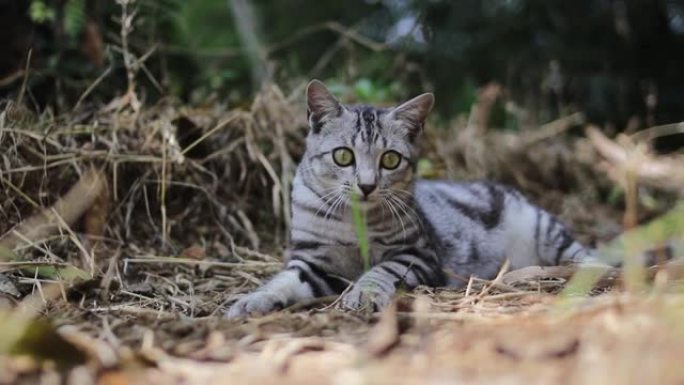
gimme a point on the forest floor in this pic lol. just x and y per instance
(127, 232)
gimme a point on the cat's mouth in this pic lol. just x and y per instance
(362, 201)
(354, 195)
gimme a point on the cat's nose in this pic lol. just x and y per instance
(366, 189)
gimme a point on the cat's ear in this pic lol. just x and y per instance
(413, 113)
(321, 105)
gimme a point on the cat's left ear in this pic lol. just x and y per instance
(413, 113)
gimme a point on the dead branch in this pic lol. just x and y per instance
(67, 209)
(349, 33)
(658, 171)
(553, 129)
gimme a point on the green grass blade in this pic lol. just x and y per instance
(361, 227)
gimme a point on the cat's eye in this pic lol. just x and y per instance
(390, 160)
(343, 156)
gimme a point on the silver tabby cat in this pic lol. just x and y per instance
(418, 230)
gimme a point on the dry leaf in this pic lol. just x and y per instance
(193, 252)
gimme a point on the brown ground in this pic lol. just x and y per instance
(516, 337)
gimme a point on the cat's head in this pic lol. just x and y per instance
(363, 150)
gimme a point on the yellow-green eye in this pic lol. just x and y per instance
(390, 160)
(343, 156)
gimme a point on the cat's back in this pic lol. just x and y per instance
(474, 225)
(477, 203)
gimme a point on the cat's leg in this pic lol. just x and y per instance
(404, 268)
(304, 278)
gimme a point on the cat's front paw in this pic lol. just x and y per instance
(366, 298)
(260, 302)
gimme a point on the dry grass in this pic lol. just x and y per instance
(191, 210)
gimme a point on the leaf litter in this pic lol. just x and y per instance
(127, 231)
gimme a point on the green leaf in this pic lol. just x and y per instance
(73, 274)
(361, 227)
(426, 169)
(74, 17)
(40, 271)
(364, 89)
(68, 273)
(40, 13)
(8, 255)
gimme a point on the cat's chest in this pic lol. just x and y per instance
(356, 241)
(360, 255)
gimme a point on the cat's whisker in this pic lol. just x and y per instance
(395, 212)
(407, 210)
(328, 200)
(390, 195)
(339, 200)
(402, 210)
(385, 195)
(335, 205)
(406, 193)
(406, 202)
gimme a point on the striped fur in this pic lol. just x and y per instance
(432, 233)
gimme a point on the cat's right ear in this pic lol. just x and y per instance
(321, 105)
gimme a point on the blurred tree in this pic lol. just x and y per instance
(618, 60)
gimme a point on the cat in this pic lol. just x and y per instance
(420, 232)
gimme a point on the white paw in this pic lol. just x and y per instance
(366, 298)
(260, 302)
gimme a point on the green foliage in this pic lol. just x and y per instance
(74, 17)
(206, 55)
(366, 91)
(453, 47)
(426, 169)
(40, 13)
(465, 96)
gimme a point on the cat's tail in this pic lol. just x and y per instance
(556, 246)
(579, 255)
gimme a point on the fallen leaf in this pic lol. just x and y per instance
(114, 378)
(193, 252)
(68, 273)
